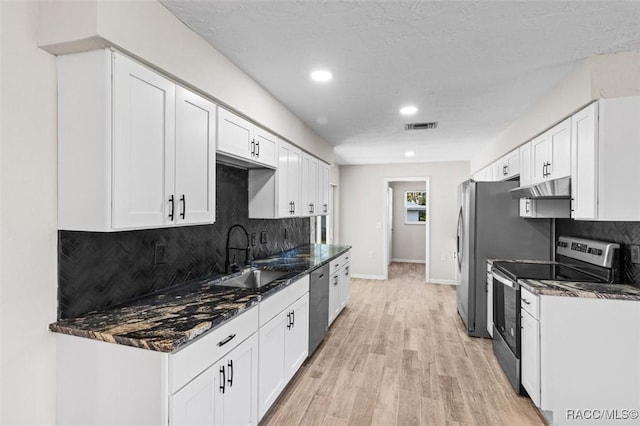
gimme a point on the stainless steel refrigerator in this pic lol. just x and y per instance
(490, 227)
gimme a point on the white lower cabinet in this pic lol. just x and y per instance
(224, 394)
(284, 341)
(530, 345)
(580, 354)
(339, 285)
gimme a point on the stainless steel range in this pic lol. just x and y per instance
(577, 260)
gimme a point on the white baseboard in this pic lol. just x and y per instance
(367, 277)
(408, 261)
(441, 281)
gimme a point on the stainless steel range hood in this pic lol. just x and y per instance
(555, 188)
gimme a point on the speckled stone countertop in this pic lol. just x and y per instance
(171, 319)
(586, 290)
(583, 290)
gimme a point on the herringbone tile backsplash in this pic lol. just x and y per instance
(623, 233)
(97, 270)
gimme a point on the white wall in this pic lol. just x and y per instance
(408, 240)
(602, 76)
(362, 202)
(148, 31)
(28, 252)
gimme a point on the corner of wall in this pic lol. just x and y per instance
(615, 75)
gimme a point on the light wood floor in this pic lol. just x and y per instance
(399, 355)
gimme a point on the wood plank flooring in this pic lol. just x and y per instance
(399, 355)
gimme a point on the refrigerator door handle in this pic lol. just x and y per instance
(458, 242)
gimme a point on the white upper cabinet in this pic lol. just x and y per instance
(605, 152)
(488, 174)
(266, 147)
(143, 146)
(525, 164)
(234, 134)
(289, 179)
(323, 188)
(242, 139)
(195, 159)
(509, 165)
(134, 150)
(551, 153)
(309, 183)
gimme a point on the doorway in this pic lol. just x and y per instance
(407, 222)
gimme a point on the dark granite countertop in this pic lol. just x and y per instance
(171, 319)
(586, 290)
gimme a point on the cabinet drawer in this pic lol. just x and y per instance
(275, 304)
(339, 262)
(530, 302)
(187, 363)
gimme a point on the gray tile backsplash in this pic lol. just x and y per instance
(624, 233)
(98, 270)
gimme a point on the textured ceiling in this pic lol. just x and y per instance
(472, 66)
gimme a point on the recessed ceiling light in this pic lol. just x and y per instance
(409, 154)
(321, 76)
(408, 110)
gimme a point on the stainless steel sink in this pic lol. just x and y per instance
(253, 278)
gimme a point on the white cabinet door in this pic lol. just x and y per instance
(297, 337)
(143, 145)
(235, 134)
(288, 174)
(266, 147)
(584, 170)
(323, 188)
(509, 165)
(560, 150)
(294, 177)
(540, 154)
(273, 374)
(195, 159)
(238, 403)
(531, 356)
(344, 285)
(525, 164)
(309, 185)
(334, 296)
(194, 403)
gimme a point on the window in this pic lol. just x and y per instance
(415, 203)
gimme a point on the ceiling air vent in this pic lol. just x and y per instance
(421, 126)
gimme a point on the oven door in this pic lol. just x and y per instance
(506, 310)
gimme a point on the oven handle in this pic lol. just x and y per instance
(497, 275)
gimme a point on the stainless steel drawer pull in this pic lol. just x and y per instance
(227, 340)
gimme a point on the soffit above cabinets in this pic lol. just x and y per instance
(472, 66)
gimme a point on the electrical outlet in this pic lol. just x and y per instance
(160, 254)
(263, 237)
(253, 239)
(635, 254)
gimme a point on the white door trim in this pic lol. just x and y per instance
(427, 227)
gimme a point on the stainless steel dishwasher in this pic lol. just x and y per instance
(318, 306)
